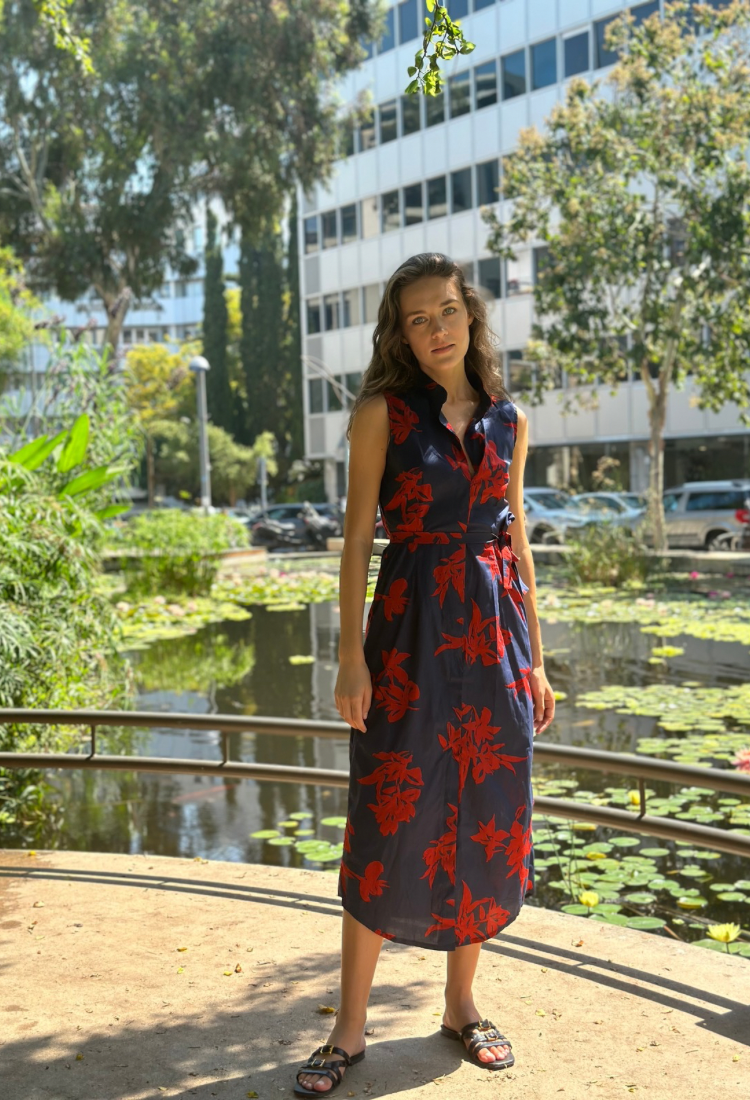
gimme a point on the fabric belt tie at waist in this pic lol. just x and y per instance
(500, 541)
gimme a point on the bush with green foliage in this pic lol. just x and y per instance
(607, 554)
(173, 553)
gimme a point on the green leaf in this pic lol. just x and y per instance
(88, 481)
(430, 5)
(645, 924)
(33, 454)
(112, 510)
(74, 450)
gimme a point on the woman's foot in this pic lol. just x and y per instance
(457, 1016)
(352, 1040)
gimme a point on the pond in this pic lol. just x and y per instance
(283, 663)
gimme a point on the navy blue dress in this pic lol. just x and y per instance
(437, 846)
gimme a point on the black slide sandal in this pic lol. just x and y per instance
(484, 1034)
(325, 1069)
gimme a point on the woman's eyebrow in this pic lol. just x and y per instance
(447, 302)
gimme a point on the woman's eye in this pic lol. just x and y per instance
(451, 309)
(417, 319)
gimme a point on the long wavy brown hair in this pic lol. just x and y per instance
(394, 366)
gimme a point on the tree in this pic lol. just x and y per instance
(16, 304)
(221, 407)
(261, 304)
(234, 468)
(157, 381)
(290, 430)
(641, 197)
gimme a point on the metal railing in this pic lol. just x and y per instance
(641, 768)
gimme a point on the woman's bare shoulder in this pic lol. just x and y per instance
(371, 417)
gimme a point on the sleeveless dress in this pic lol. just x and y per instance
(437, 845)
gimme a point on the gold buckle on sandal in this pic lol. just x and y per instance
(327, 1049)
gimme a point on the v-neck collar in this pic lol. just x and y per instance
(437, 394)
(473, 449)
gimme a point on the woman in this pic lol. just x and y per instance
(448, 688)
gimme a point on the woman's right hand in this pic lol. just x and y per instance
(353, 692)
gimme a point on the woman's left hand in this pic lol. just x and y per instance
(543, 698)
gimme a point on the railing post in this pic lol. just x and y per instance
(224, 747)
(93, 742)
(642, 797)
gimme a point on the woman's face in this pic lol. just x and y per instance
(435, 322)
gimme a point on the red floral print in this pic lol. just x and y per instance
(490, 837)
(522, 684)
(491, 480)
(370, 884)
(471, 916)
(394, 601)
(442, 852)
(475, 644)
(451, 572)
(519, 847)
(469, 741)
(348, 834)
(410, 489)
(392, 688)
(397, 788)
(384, 935)
(402, 419)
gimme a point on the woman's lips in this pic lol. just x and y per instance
(447, 347)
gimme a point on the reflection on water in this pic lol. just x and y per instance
(243, 668)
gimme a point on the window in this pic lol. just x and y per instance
(368, 48)
(332, 312)
(468, 270)
(312, 244)
(313, 316)
(371, 298)
(576, 53)
(520, 372)
(518, 275)
(410, 114)
(485, 84)
(348, 224)
(544, 64)
(490, 279)
(388, 41)
(329, 229)
(413, 204)
(459, 9)
(603, 55)
(315, 394)
(487, 183)
(671, 502)
(435, 109)
(437, 200)
(388, 125)
(481, 4)
(514, 74)
(180, 289)
(353, 382)
(461, 197)
(127, 336)
(333, 393)
(367, 132)
(642, 12)
(369, 216)
(391, 216)
(407, 21)
(540, 261)
(351, 308)
(346, 136)
(459, 87)
(715, 501)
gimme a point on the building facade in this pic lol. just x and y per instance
(414, 177)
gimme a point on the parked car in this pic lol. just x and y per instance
(550, 514)
(707, 515)
(287, 525)
(613, 503)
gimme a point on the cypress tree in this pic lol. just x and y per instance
(221, 405)
(292, 441)
(261, 304)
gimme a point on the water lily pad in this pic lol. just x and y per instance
(337, 822)
(640, 898)
(655, 853)
(691, 902)
(733, 895)
(300, 815)
(625, 841)
(281, 841)
(645, 924)
(264, 834)
(576, 909)
(288, 824)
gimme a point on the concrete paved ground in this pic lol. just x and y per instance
(125, 977)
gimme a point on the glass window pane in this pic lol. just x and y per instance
(391, 212)
(313, 316)
(329, 229)
(518, 275)
(541, 260)
(461, 197)
(459, 87)
(346, 137)
(603, 55)
(369, 216)
(514, 74)
(459, 9)
(333, 393)
(435, 109)
(544, 64)
(481, 4)
(331, 310)
(485, 84)
(641, 12)
(487, 183)
(353, 382)
(388, 128)
(489, 279)
(352, 311)
(388, 41)
(311, 234)
(576, 51)
(410, 114)
(407, 21)
(437, 202)
(468, 270)
(315, 394)
(368, 48)
(371, 297)
(348, 223)
(413, 204)
(519, 371)
(367, 132)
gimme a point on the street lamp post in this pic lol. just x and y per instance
(344, 393)
(199, 366)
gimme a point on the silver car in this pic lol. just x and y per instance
(550, 515)
(707, 515)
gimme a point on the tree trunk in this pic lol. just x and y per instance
(657, 416)
(150, 471)
(116, 310)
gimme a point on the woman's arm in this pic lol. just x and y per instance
(367, 451)
(544, 701)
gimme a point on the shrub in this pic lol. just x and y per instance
(607, 554)
(173, 553)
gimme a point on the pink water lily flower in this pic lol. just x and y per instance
(742, 760)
